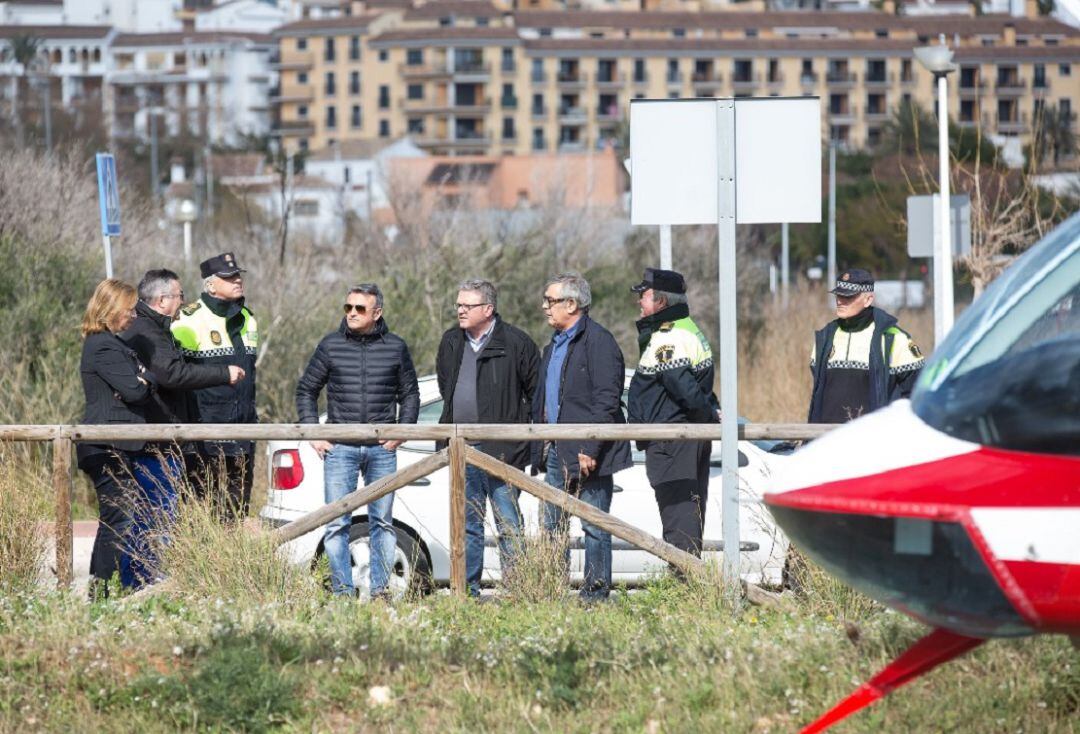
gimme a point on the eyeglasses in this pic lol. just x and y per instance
(179, 295)
(358, 307)
(468, 306)
(549, 302)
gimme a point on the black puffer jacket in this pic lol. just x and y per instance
(369, 378)
(150, 337)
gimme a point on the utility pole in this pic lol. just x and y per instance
(832, 216)
(154, 176)
(48, 116)
(209, 173)
(785, 263)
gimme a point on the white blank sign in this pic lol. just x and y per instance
(674, 166)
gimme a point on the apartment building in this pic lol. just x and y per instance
(211, 85)
(71, 60)
(467, 77)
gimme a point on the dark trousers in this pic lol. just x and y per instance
(682, 512)
(111, 477)
(224, 480)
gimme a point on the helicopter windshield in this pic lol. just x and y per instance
(1008, 375)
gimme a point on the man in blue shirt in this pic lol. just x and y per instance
(582, 376)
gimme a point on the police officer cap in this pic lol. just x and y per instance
(853, 282)
(661, 280)
(223, 266)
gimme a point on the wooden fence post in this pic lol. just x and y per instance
(457, 516)
(61, 478)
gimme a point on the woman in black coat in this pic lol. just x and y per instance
(116, 386)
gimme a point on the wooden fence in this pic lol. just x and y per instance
(457, 455)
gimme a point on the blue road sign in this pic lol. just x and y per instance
(108, 195)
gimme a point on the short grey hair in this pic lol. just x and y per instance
(485, 288)
(155, 283)
(573, 286)
(206, 283)
(369, 289)
(670, 299)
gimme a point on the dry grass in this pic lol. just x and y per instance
(23, 501)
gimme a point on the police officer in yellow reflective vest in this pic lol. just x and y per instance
(673, 384)
(219, 329)
(862, 360)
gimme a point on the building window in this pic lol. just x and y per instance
(304, 144)
(354, 48)
(751, 32)
(538, 70)
(384, 55)
(1064, 70)
(306, 208)
(881, 33)
(346, 174)
(508, 59)
(328, 47)
(354, 117)
(331, 84)
(446, 21)
(384, 128)
(678, 33)
(302, 111)
(416, 126)
(331, 117)
(545, 33)
(414, 57)
(967, 110)
(508, 132)
(354, 82)
(384, 97)
(639, 70)
(538, 139)
(301, 77)
(537, 105)
(673, 71)
(415, 91)
(1039, 80)
(301, 44)
(481, 22)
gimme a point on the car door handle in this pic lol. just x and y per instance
(616, 488)
(421, 482)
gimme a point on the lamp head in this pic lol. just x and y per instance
(936, 59)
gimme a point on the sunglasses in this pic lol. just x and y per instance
(358, 307)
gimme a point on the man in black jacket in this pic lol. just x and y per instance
(369, 378)
(582, 382)
(160, 299)
(219, 329)
(486, 370)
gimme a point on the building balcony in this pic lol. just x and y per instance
(293, 128)
(508, 103)
(1040, 86)
(445, 107)
(708, 82)
(876, 115)
(571, 80)
(571, 146)
(674, 78)
(1010, 87)
(745, 83)
(610, 81)
(641, 80)
(572, 115)
(297, 93)
(538, 77)
(538, 113)
(808, 81)
(842, 116)
(467, 142)
(775, 81)
(879, 81)
(296, 61)
(423, 71)
(841, 79)
(472, 72)
(975, 89)
(1012, 124)
(612, 113)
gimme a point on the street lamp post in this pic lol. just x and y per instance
(186, 213)
(938, 61)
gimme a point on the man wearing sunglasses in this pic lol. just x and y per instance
(219, 329)
(369, 378)
(487, 372)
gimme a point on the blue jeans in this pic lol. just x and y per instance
(152, 512)
(595, 491)
(341, 471)
(480, 487)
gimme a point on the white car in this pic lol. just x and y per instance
(422, 514)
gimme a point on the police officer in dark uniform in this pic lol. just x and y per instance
(862, 360)
(674, 384)
(220, 329)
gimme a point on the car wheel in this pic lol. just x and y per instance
(411, 573)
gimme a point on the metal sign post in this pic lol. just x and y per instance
(108, 204)
(726, 161)
(665, 246)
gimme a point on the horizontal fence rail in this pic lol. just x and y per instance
(407, 432)
(64, 437)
